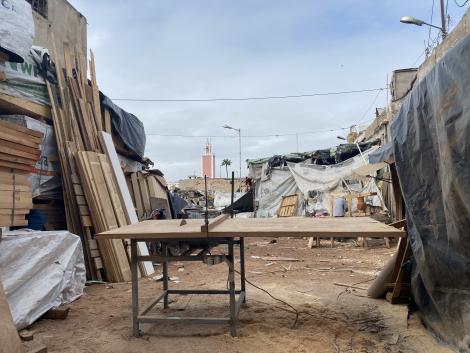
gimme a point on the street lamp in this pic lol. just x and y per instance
(417, 22)
(239, 149)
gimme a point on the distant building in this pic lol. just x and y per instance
(208, 162)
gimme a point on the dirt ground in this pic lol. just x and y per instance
(333, 318)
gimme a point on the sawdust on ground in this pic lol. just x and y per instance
(333, 318)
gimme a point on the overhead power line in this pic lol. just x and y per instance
(250, 98)
(369, 108)
(251, 136)
(461, 5)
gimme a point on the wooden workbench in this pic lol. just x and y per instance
(346, 227)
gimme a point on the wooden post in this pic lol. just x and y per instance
(10, 341)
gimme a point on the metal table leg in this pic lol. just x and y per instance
(165, 275)
(135, 289)
(164, 259)
(242, 268)
(231, 279)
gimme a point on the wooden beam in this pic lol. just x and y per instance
(14, 105)
(213, 222)
(124, 195)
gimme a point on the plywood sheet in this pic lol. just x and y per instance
(258, 227)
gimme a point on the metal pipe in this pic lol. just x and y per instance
(231, 280)
(135, 289)
(206, 216)
(443, 20)
(232, 195)
(240, 156)
(165, 275)
(242, 267)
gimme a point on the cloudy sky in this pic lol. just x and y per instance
(152, 49)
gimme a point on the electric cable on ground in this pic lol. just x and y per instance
(297, 313)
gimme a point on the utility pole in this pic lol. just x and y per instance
(443, 20)
(240, 156)
(239, 131)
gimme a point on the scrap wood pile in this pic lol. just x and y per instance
(19, 152)
(94, 200)
(149, 192)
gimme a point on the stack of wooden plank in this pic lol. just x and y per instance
(19, 147)
(149, 193)
(19, 152)
(93, 203)
(15, 198)
(106, 209)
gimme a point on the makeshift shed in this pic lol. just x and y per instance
(316, 177)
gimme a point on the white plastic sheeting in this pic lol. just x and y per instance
(269, 192)
(323, 178)
(223, 199)
(303, 178)
(39, 271)
(24, 80)
(16, 26)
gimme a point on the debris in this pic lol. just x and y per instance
(286, 268)
(59, 313)
(158, 278)
(279, 258)
(26, 335)
(174, 279)
(38, 349)
(348, 286)
(394, 339)
(333, 269)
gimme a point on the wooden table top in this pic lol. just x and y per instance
(347, 227)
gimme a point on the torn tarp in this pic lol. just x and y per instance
(128, 127)
(383, 154)
(432, 153)
(262, 166)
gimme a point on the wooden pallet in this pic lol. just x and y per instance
(288, 207)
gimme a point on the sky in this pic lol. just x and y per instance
(152, 49)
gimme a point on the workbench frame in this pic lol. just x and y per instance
(236, 296)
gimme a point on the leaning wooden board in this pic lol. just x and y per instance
(350, 227)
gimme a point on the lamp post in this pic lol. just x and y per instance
(415, 21)
(239, 131)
